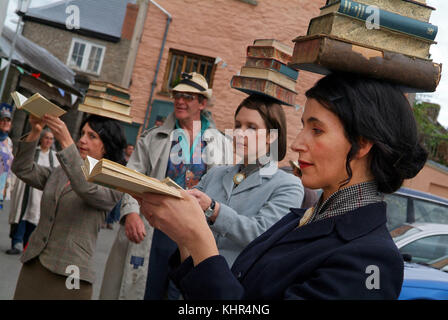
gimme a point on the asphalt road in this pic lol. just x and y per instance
(10, 265)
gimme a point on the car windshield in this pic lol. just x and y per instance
(403, 232)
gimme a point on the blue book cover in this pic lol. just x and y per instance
(389, 20)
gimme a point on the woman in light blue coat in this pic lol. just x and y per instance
(242, 201)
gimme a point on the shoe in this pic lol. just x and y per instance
(13, 251)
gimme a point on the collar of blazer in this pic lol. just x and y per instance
(355, 223)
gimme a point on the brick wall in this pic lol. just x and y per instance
(220, 28)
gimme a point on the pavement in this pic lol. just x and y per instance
(10, 264)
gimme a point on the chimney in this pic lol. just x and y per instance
(129, 21)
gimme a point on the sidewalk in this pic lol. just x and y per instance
(10, 265)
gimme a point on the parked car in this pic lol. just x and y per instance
(423, 283)
(424, 243)
(409, 206)
(424, 247)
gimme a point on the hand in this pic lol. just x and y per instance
(204, 200)
(59, 129)
(36, 127)
(183, 221)
(134, 227)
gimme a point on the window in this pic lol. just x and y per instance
(430, 212)
(396, 210)
(426, 250)
(179, 61)
(86, 56)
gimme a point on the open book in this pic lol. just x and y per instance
(37, 105)
(116, 176)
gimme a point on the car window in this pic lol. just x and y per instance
(425, 211)
(427, 249)
(396, 210)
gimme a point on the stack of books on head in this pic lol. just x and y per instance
(385, 39)
(107, 100)
(266, 71)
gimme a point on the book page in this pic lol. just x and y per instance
(37, 105)
(89, 164)
(18, 98)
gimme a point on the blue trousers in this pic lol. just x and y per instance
(22, 233)
(158, 285)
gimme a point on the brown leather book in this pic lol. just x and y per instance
(324, 53)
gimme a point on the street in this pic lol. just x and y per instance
(10, 264)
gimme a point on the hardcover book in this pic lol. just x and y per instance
(37, 105)
(107, 105)
(352, 29)
(272, 64)
(268, 52)
(116, 176)
(104, 112)
(274, 43)
(110, 89)
(105, 96)
(264, 87)
(271, 75)
(387, 19)
(407, 8)
(322, 54)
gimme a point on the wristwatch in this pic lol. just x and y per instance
(209, 211)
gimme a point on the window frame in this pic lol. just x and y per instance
(86, 56)
(169, 69)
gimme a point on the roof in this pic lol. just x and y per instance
(422, 195)
(98, 18)
(33, 57)
(430, 227)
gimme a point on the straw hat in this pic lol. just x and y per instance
(195, 83)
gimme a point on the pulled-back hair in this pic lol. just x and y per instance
(273, 116)
(378, 112)
(111, 134)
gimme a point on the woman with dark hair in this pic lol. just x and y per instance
(242, 201)
(59, 255)
(359, 140)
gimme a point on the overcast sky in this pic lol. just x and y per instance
(439, 52)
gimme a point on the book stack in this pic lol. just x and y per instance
(107, 100)
(266, 71)
(385, 39)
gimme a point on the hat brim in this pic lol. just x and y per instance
(186, 88)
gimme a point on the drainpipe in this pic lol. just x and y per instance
(154, 82)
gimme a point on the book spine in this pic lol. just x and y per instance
(274, 65)
(389, 20)
(266, 87)
(268, 52)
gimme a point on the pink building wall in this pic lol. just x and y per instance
(431, 179)
(220, 28)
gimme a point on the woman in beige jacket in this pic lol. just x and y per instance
(57, 263)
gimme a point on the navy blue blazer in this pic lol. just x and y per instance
(351, 256)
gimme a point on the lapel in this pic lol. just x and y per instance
(250, 182)
(349, 226)
(227, 180)
(159, 145)
(62, 180)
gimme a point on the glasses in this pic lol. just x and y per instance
(186, 96)
(5, 119)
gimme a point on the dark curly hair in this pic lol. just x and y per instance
(379, 112)
(111, 134)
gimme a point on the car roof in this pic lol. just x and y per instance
(422, 195)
